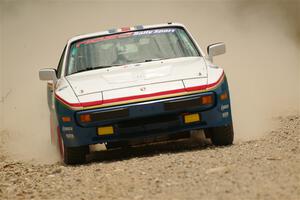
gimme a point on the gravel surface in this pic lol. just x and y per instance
(268, 168)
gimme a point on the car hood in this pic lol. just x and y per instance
(171, 70)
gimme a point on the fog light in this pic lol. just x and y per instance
(85, 118)
(105, 130)
(207, 100)
(66, 119)
(224, 96)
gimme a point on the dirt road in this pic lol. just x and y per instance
(268, 168)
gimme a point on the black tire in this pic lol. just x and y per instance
(75, 155)
(220, 136)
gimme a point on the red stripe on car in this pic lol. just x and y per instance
(107, 101)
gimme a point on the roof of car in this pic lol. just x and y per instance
(120, 30)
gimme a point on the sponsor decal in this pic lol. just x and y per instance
(70, 136)
(225, 114)
(123, 35)
(64, 128)
(154, 31)
(108, 37)
(224, 107)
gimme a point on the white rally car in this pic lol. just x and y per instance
(136, 83)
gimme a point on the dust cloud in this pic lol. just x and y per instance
(269, 58)
(262, 61)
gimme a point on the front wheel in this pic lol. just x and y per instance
(220, 136)
(72, 155)
(75, 155)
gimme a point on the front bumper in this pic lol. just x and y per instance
(145, 119)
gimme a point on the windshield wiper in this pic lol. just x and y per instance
(152, 59)
(92, 68)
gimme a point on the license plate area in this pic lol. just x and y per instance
(191, 118)
(105, 130)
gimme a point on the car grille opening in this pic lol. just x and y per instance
(148, 121)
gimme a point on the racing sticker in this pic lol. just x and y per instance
(123, 35)
(154, 31)
(109, 37)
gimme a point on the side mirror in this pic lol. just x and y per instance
(47, 74)
(215, 50)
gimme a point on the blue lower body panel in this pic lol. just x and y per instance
(146, 119)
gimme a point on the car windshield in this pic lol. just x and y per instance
(130, 47)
